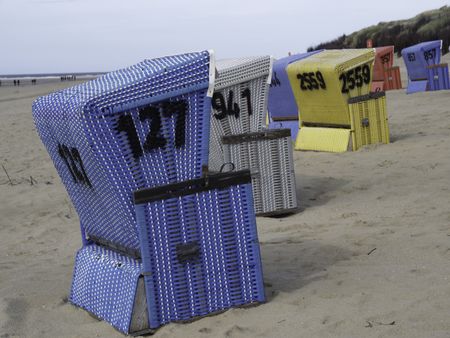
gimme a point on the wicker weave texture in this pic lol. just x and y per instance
(142, 126)
(222, 266)
(239, 103)
(104, 283)
(271, 164)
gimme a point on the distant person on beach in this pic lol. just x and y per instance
(14, 82)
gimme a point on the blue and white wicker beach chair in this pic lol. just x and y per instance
(143, 126)
(239, 135)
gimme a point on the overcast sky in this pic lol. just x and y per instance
(51, 36)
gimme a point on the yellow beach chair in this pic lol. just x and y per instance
(322, 85)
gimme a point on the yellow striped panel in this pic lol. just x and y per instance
(369, 122)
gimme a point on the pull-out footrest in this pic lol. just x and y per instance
(334, 140)
(417, 86)
(110, 286)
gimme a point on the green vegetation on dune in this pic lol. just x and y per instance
(430, 25)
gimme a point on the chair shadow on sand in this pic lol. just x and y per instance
(395, 137)
(313, 191)
(291, 262)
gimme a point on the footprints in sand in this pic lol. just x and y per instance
(363, 223)
(237, 331)
(426, 168)
(385, 164)
(349, 214)
(205, 330)
(234, 331)
(281, 242)
(16, 311)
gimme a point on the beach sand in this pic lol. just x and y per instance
(368, 255)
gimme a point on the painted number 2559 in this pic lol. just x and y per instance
(355, 77)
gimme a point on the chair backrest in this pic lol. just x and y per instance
(384, 59)
(281, 105)
(239, 102)
(323, 82)
(419, 56)
(142, 126)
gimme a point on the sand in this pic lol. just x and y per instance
(368, 255)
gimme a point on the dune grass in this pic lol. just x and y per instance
(426, 26)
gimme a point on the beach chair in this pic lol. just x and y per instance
(423, 65)
(113, 139)
(322, 85)
(239, 106)
(199, 256)
(239, 101)
(385, 75)
(282, 109)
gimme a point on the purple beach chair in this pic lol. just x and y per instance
(423, 65)
(282, 107)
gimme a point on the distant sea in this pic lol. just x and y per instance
(26, 79)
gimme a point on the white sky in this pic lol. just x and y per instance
(51, 36)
